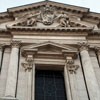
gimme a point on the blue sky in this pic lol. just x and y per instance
(94, 5)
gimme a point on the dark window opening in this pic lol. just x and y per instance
(49, 85)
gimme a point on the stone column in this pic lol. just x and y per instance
(91, 81)
(12, 71)
(98, 54)
(33, 82)
(1, 50)
(30, 70)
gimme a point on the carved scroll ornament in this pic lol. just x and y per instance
(72, 68)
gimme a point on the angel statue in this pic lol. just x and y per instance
(63, 20)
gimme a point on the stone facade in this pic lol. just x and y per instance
(52, 36)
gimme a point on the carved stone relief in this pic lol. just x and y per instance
(47, 16)
(72, 68)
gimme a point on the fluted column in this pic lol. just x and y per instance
(91, 81)
(12, 71)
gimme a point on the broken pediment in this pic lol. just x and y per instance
(48, 16)
(49, 48)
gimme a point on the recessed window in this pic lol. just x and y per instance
(49, 85)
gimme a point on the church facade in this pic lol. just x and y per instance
(49, 51)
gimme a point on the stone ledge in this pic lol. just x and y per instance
(8, 98)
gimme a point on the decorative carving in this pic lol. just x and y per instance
(63, 20)
(29, 64)
(97, 49)
(31, 22)
(15, 43)
(47, 15)
(1, 46)
(83, 46)
(70, 64)
(72, 68)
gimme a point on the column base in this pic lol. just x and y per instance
(8, 98)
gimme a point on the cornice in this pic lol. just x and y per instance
(85, 12)
(52, 3)
(69, 29)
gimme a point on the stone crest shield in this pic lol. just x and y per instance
(47, 15)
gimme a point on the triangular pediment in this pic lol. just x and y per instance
(48, 14)
(50, 48)
(49, 43)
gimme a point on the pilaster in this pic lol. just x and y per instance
(12, 73)
(91, 81)
(30, 70)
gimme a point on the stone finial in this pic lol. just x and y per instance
(15, 43)
(70, 64)
(83, 46)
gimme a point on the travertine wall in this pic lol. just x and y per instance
(78, 83)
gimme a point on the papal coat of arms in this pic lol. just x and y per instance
(47, 15)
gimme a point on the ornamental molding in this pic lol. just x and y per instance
(28, 64)
(49, 48)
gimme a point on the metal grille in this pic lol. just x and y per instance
(49, 85)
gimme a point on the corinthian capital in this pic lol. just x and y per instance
(1, 46)
(97, 49)
(83, 46)
(15, 44)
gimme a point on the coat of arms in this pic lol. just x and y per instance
(47, 15)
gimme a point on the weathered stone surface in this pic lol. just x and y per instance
(12, 73)
(4, 71)
(91, 81)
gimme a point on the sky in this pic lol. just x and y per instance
(94, 5)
